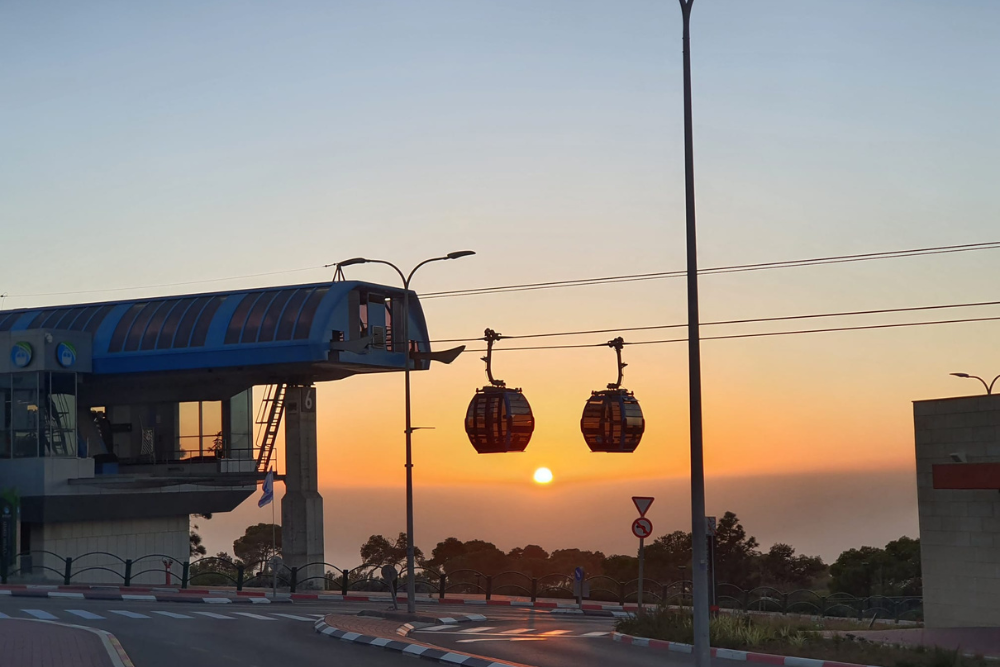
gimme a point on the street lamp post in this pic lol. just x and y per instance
(411, 600)
(699, 566)
(989, 387)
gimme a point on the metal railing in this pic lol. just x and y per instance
(214, 571)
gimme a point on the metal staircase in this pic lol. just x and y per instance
(268, 421)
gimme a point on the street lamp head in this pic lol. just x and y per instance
(460, 253)
(352, 261)
(960, 375)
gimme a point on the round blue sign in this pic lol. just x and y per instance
(20, 354)
(66, 354)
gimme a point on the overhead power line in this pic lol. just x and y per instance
(735, 268)
(760, 334)
(754, 320)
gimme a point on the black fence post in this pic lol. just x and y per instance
(295, 578)
(663, 594)
(240, 574)
(128, 572)
(746, 601)
(69, 570)
(534, 590)
(489, 587)
(343, 581)
(822, 606)
(185, 571)
(442, 586)
(3, 568)
(784, 603)
(621, 593)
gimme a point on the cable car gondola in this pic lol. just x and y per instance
(612, 419)
(498, 419)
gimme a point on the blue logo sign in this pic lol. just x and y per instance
(66, 354)
(20, 354)
(578, 574)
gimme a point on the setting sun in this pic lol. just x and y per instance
(543, 476)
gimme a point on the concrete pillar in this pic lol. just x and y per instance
(302, 506)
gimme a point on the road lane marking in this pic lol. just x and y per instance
(296, 618)
(38, 613)
(436, 628)
(82, 613)
(594, 634)
(518, 631)
(172, 614)
(554, 633)
(127, 614)
(255, 616)
(212, 614)
(472, 631)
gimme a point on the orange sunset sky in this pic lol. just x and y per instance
(187, 147)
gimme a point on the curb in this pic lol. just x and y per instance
(412, 650)
(130, 589)
(570, 607)
(138, 597)
(730, 654)
(405, 629)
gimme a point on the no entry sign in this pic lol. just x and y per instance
(642, 527)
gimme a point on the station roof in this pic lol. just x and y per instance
(294, 324)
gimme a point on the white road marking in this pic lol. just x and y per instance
(82, 613)
(127, 614)
(594, 634)
(296, 618)
(472, 631)
(436, 628)
(553, 633)
(212, 614)
(518, 631)
(3, 615)
(38, 613)
(256, 616)
(172, 614)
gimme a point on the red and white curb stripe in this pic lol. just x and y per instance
(730, 654)
(115, 596)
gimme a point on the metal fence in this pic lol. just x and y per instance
(214, 571)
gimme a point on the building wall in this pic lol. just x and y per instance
(127, 539)
(959, 529)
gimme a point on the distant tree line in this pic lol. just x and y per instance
(892, 570)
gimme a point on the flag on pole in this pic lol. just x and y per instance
(268, 495)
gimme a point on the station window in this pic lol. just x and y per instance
(200, 430)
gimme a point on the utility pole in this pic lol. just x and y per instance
(699, 569)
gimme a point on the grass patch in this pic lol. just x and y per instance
(796, 637)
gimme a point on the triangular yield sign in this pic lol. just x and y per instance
(642, 504)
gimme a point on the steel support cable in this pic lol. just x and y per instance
(754, 320)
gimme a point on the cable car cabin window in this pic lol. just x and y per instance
(118, 337)
(205, 320)
(388, 324)
(256, 316)
(98, 319)
(239, 318)
(304, 324)
(183, 335)
(166, 338)
(139, 326)
(291, 313)
(270, 322)
(155, 324)
(363, 315)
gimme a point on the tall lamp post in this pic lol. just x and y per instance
(699, 569)
(411, 601)
(989, 387)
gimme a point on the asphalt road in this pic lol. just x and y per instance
(271, 635)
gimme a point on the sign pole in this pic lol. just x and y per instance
(642, 558)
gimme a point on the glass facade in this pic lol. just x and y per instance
(39, 415)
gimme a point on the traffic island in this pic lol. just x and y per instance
(36, 643)
(385, 634)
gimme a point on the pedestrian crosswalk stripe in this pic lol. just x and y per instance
(295, 618)
(38, 613)
(518, 631)
(127, 614)
(472, 631)
(3, 615)
(172, 614)
(436, 628)
(83, 613)
(212, 614)
(552, 633)
(256, 616)
(593, 634)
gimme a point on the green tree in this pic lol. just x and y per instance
(781, 568)
(197, 548)
(893, 570)
(735, 552)
(379, 551)
(666, 555)
(257, 545)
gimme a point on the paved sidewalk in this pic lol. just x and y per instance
(368, 625)
(975, 641)
(38, 644)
